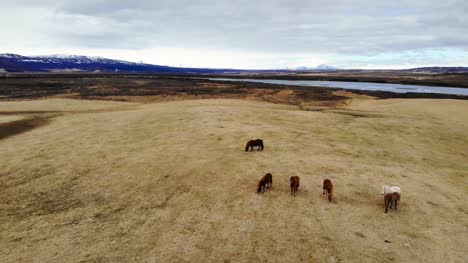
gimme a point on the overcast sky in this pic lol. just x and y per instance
(243, 33)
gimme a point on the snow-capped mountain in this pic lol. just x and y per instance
(318, 68)
(324, 67)
(18, 63)
(57, 58)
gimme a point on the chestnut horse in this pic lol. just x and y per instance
(391, 198)
(254, 143)
(328, 189)
(295, 182)
(265, 182)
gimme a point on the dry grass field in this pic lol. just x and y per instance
(103, 181)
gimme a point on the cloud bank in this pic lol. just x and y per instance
(345, 33)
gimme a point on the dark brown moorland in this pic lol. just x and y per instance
(154, 87)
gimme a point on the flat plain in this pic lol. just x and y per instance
(169, 181)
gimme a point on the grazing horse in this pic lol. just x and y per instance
(254, 143)
(265, 182)
(391, 198)
(390, 189)
(328, 189)
(295, 182)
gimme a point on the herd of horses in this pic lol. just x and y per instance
(391, 194)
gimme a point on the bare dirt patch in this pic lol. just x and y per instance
(20, 126)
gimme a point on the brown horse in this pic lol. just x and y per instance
(328, 189)
(391, 198)
(254, 143)
(295, 182)
(265, 182)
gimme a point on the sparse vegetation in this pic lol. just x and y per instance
(119, 181)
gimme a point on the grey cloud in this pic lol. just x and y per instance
(360, 27)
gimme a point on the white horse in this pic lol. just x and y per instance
(390, 190)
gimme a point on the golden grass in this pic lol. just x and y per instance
(170, 182)
(10, 118)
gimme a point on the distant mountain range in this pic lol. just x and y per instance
(438, 70)
(73, 63)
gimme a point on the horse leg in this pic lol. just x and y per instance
(396, 202)
(385, 204)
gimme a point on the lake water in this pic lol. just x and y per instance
(359, 86)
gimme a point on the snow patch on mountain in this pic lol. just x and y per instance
(32, 60)
(324, 67)
(8, 55)
(319, 67)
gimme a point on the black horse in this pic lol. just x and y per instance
(254, 143)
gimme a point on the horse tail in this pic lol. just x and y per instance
(247, 146)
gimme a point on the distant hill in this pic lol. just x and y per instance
(438, 70)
